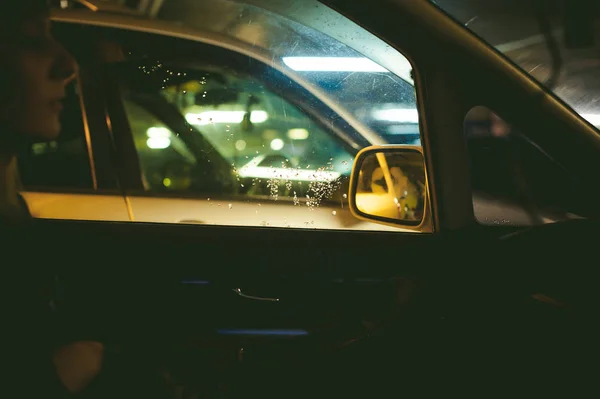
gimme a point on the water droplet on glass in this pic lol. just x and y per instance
(334, 213)
(230, 206)
(184, 92)
(242, 185)
(345, 195)
(208, 199)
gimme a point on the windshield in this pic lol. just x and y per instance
(551, 40)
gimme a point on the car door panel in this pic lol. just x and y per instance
(224, 279)
(232, 212)
(76, 206)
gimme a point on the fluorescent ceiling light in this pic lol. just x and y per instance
(397, 115)
(285, 174)
(252, 170)
(158, 143)
(158, 132)
(333, 64)
(298, 134)
(210, 117)
(158, 138)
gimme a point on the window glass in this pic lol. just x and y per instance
(260, 144)
(242, 120)
(63, 164)
(356, 69)
(513, 181)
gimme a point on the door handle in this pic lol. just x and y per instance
(239, 292)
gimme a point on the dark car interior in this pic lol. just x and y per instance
(300, 320)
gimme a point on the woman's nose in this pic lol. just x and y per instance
(65, 67)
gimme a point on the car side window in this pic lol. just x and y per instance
(270, 147)
(62, 165)
(215, 128)
(514, 182)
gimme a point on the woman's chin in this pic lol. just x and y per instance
(48, 131)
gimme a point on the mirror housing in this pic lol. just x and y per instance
(389, 186)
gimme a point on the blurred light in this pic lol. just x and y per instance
(240, 145)
(252, 170)
(158, 132)
(397, 115)
(333, 64)
(594, 119)
(277, 144)
(298, 134)
(158, 138)
(167, 182)
(158, 143)
(209, 117)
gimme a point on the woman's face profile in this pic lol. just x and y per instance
(34, 72)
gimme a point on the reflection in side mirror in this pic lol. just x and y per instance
(389, 185)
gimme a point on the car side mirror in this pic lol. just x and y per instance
(389, 186)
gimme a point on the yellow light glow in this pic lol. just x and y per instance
(298, 134)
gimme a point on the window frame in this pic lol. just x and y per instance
(166, 29)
